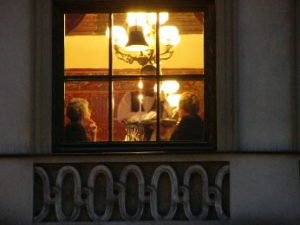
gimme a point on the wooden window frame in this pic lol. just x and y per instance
(60, 7)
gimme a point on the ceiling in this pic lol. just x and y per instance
(96, 24)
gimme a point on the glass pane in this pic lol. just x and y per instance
(182, 111)
(134, 43)
(134, 115)
(86, 111)
(182, 44)
(86, 45)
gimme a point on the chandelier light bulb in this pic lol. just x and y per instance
(136, 19)
(119, 36)
(163, 17)
(170, 86)
(136, 41)
(173, 100)
(169, 35)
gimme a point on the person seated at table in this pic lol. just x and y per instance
(190, 126)
(81, 127)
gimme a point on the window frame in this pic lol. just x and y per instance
(60, 7)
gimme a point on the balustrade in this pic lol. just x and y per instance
(163, 192)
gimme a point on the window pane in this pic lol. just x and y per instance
(134, 115)
(133, 39)
(182, 44)
(86, 45)
(86, 111)
(182, 104)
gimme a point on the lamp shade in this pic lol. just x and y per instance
(119, 36)
(136, 40)
(170, 86)
(169, 35)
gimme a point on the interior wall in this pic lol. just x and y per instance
(92, 52)
(16, 75)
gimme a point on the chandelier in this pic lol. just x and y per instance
(136, 41)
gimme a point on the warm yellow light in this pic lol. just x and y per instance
(150, 41)
(163, 17)
(119, 36)
(139, 36)
(148, 33)
(139, 19)
(140, 84)
(173, 100)
(170, 86)
(136, 48)
(169, 35)
(140, 97)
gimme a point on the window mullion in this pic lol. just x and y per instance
(110, 86)
(157, 79)
(192, 76)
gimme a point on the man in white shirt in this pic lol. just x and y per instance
(132, 107)
(137, 105)
(140, 106)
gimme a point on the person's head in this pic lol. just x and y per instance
(148, 86)
(188, 104)
(78, 109)
(148, 70)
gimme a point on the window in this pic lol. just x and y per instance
(133, 77)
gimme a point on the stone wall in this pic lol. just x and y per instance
(264, 188)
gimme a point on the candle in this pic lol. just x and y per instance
(140, 97)
(140, 85)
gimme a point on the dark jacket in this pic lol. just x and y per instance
(75, 132)
(190, 128)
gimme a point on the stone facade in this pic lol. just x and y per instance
(257, 50)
